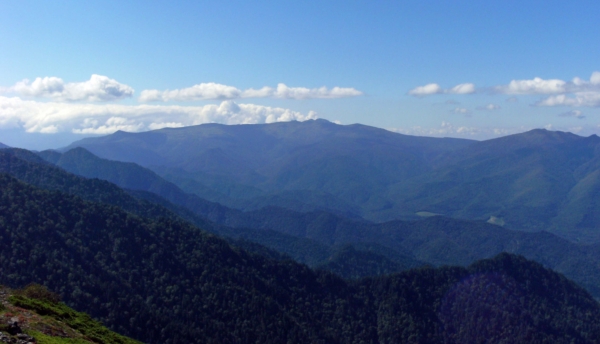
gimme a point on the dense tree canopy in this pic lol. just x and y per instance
(162, 280)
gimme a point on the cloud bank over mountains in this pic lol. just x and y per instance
(55, 117)
(95, 106)
(212, 90)
(575, 93)
(51, 105)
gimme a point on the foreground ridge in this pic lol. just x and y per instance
(36, 315)
(165, 281)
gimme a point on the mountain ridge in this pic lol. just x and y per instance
(309, 236)
(213, 293)
(532, 181)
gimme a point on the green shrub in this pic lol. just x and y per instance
(39, 292)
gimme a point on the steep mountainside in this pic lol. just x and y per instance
(28, 167)
(538, 180)
(163, 281)
(321, 238)
(306, 166)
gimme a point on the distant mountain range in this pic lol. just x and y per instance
(538, 180)
(128, 245)
(298, 165)
(350, 247)
(151, 275)
(2, 145)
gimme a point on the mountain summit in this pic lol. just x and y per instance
(537, 180)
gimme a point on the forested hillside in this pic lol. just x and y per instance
(164, 281)
(28, 167)
(533, 181)
(320, 239)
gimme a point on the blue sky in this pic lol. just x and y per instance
(473, 69)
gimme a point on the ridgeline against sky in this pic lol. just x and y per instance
(460, 69)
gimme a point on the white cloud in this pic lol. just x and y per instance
(98, 89)
(110, 126)
(155, 126)
(218, 91)
(462, 89)
(444, 130)
(595, 78)
(534, 86)
(53, 117)
(588, 99)
(575, 93)
(286, 92)
(430, 89)
(426, 90)
(202, 91)
(585, 92)
(447, 129)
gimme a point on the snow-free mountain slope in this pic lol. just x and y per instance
(340, 168)
(537, 180)
(315, 237)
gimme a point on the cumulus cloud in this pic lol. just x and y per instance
(462, 89)
(202, 91)
(98, 89)
(54, 117)
(430, 89)
(206, 91)
(426, 90)
(574, 93)
(551, 86)
(286, 92)
(577, 92)
(587, 99)
(534, 86)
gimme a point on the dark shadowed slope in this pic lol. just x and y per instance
(163, 281)
(320, 238)
(30, 168)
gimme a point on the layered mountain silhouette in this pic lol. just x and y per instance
(538, 180)
(298, 165)
(159, 279)
(350, 247)
(2, 145)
